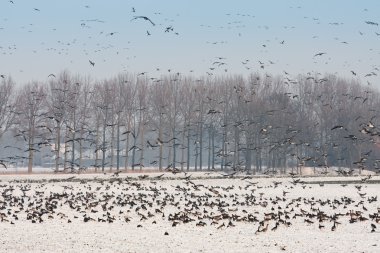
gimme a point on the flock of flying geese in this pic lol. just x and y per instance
(238, 25)
(187, 201)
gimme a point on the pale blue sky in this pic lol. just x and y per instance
(67, 34)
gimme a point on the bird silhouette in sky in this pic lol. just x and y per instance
(143, 17)
(3, 164)
(371, 23)
(319, 54)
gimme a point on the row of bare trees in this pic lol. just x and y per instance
(258, 123)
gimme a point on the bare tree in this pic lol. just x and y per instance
(187, 114)
(84, 117)
(103, 98)
(158, 102)
(57, 102)
(6, 104)
(30, 113)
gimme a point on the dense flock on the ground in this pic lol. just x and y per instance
(256, 123)
(170, 212)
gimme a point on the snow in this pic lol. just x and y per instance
(55, 234)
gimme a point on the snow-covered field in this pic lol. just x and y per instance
(171, 213)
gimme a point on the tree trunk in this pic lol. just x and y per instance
(183, 147)
(31, 152)
(134, 144)
(112, 146)
(169, 157)
(73, 151)
(57, 147)
(213, 149)
(65, 157)
(142, 145)
(127, 145)
(196, 155)
(104, 144)
(248, 155)
(174, 149)
(209, 149)
(188, 147)
(224, 146)
(118, 144)
(80, 165)
(201, 144)
(97, 146)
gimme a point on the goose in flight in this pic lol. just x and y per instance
(319, 54)
(143, 17)
(3, 164)
(371, 23)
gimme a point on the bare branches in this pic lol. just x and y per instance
(258, 124)
(6, 104)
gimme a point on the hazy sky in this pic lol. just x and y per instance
(250, 36)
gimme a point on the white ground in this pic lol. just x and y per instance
(55, 234)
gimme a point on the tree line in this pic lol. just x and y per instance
(257, 123)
